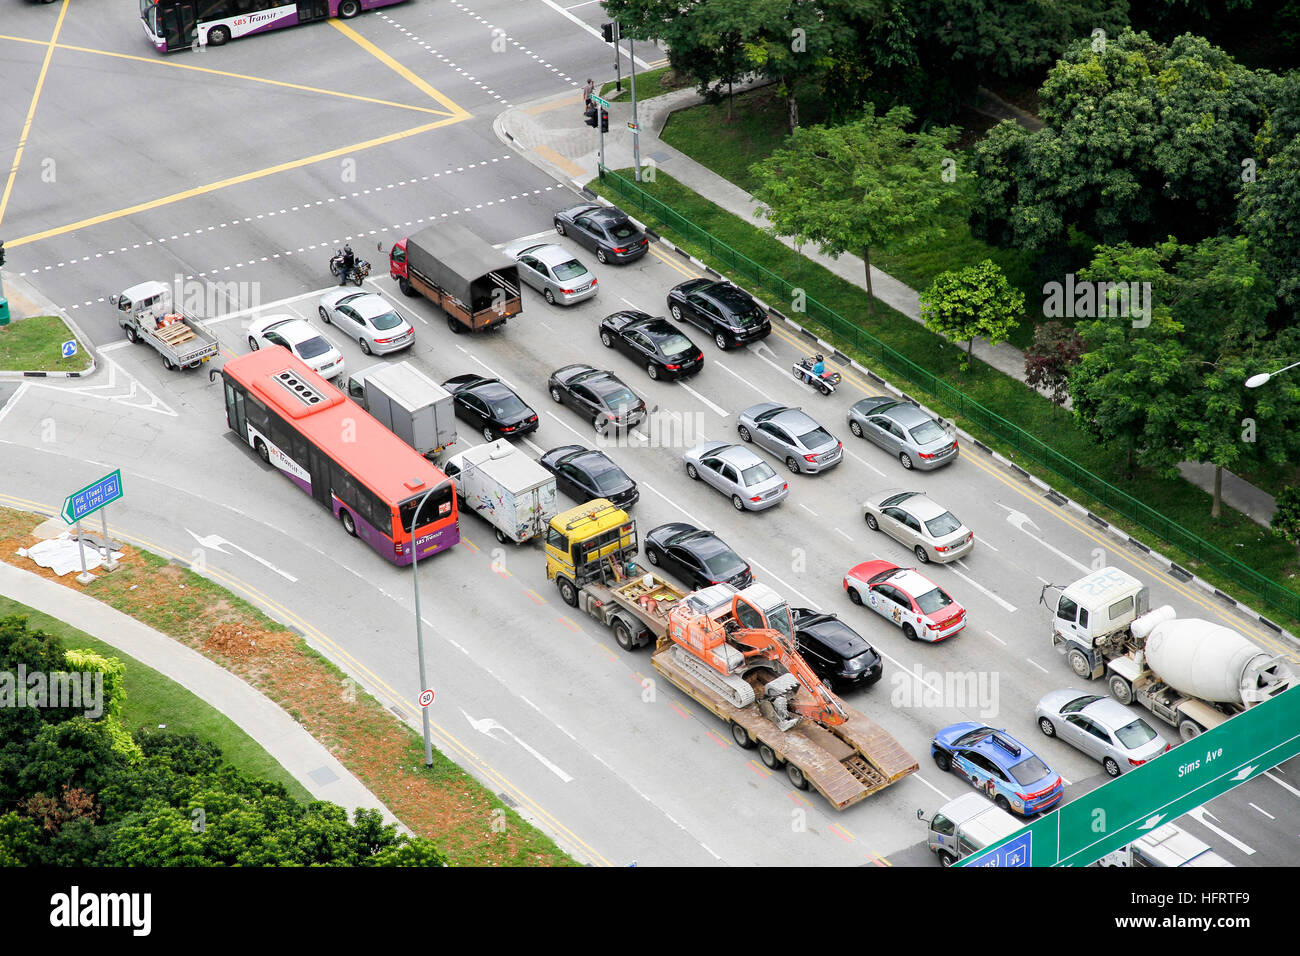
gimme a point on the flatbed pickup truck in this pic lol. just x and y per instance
(145, 311)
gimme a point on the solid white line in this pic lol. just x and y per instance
(914, 674)
(759, 355)
(1038, 665)
(263, 307)
(629, 302)
(843, 535)
(17, 396)
(694, 520)
(945, 796)
(863, 461)
(113, 347)
(486, 366)
(1010, 608)
(996, 638)
(985, 544)
(719, 364)
(808, 602)
(1265, 812)
(1044, 580)
(545, 326)
(533, 446)
(720, 411)
(569, 427)
(590, 29)
(1282, 784)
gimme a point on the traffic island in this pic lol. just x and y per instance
(41, 346)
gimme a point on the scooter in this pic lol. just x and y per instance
(803, 370)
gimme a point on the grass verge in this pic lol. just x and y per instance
(649, 83)
(36, 345)
(469, 824)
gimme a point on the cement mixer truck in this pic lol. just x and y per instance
(1190, 673)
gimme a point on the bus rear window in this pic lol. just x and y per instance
(436, 508)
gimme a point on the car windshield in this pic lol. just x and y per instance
(815, 438)
(611, 479)
(570, 270)
(756, 473)
(944, 524)
(621, 230)
(1076, 705)
(386, 321)
(1136, 734)
(312, 347)
(1029, 770)
(507, 406)
(927, 432)
(674, 344)
(932, 601)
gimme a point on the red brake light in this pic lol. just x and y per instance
(811, 458)
(382, 341)
(594, 281)
(567, 291)
(672, 368)
(623, 249)
(756, 498)
(508, 428)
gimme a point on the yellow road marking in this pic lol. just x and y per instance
(397, 68)
(31, 110)
(550, 155)
(547, 107)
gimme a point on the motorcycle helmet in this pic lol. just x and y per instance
(347, 250)
(820, 358)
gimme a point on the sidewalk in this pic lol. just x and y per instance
(551, 134)
(281, 736)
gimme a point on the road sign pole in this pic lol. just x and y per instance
(636, 127)
(419, 631)
(109, 563)
(618, 65)
(85, 577)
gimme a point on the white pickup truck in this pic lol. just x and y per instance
(146, 312)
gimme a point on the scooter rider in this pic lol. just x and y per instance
(346, 266)
(819, 368)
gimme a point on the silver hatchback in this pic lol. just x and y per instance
(903, 430)
(792, 435)
(928, 528)
(553, 271)
(739, 473)
(1101, 727)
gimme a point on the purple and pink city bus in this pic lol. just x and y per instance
(184, 24)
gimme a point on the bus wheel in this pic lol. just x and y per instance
(262, 452)
(349, 523)
(349, 9)
(217, 36)
(568, 593)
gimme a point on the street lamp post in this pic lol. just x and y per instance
(1255, 381)
(419, 629)
(636, 126)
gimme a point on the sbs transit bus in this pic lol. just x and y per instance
(370, 479)
(183, 24)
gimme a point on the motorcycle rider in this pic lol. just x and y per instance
(348, 263)
(819, 368)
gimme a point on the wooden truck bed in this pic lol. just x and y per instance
(648, 603)
(834, 768)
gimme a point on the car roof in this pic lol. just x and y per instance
(578, 210)
(592, 459)
(295, 331)
(797, 420)
(626, 317)
(728, 294)
(656, 326)
(835, 634)
(738, 455)
(922, 506)
(1000, 747)
(371, 304)
(551, 254)
(905, 413)
(1110, 713)
(913, 582)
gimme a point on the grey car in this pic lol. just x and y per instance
(739, 473)
(1101, 727)
(367, 317)
(792, 435)
(553, 271)
(928, 528)
(903, 430)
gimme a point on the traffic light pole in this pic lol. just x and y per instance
(618, 61)
(636, 127)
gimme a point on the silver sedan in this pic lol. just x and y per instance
(367, 317)
(553, 271)
(1101, 727)
(739, 473)
(903, 430)
(928, 528)
(792, 435)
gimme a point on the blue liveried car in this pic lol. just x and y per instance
(1000, 766)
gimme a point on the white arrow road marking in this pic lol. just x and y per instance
(1282, 784)
(1200, 813)
(762, 351)
(155, 403)
(487, 725)
(721, 411)
(1019, 520)
(1010, 608)
(1152, 821)
(216, 541)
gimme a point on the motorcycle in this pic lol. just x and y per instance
(360, 268)
(803, 371)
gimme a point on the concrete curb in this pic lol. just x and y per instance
(27, 291)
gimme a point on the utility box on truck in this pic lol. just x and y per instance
(475, 285)
(408, 403)
(514, 493)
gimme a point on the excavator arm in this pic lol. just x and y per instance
(770, 644)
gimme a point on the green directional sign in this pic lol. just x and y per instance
(603, 104)
(91, 498)
(1189, 775)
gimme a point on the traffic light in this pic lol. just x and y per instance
(591, 115)
(2, 252)
(607, 30)
(604, 121)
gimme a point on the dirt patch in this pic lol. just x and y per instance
(240, 641)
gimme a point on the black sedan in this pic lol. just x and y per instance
(490, 406)
(605, 230)
(838, 654)
(585, 475)
(598, 396)
(729, 314)
(698, 557)
(653, 342)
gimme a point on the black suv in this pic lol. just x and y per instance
(729, 314)
(838, 654)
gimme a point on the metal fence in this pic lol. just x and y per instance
(1024, 443)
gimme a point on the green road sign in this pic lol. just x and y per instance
(603, 104)
(1189, 775)
(91, 498)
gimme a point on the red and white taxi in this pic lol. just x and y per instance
(920, 607)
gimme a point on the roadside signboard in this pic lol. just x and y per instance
(69, 348)
(426, 697)
(92, 497)
(603, 104)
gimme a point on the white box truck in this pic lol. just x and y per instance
(965, 826)
(408, 403)
(514, 493)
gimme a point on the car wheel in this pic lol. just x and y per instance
(131, 335)
(855, 597)
(218, 36)
(549, 296)
(1078, 662)
(741, 736)
(601, 258)
(793, 464)
(1110, 766)
(737, 502)
(796, 777)
(623, 634)
(601, 424)
(555, 393)
(568, 592)
(490, 433)
(943, 760)
(906, 460)
(324, 314)
(922, 555)
(349, 523)
(1188, 729)
(653, 371)
(676, 311)
(365, 347)
(909, 632)
(1002, 803)
(606, 340)
(856, 429)
(744, 433)
(652, 556)
(263, 452)
(1120, 689)
(349, 9)
(872, 523)
(691, 473)
(1047, 727)
(559, 227)
(946, 858)
(252, 344)
(720, 341)
(769, 757)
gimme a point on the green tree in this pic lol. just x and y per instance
(974, 301)
(1270, 210)
(792, 41)
(867, 184)
(1285, 522)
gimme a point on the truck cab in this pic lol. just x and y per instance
(966, 826)
(1091, 618)
(592, 542)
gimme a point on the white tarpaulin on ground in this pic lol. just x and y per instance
(60, 555)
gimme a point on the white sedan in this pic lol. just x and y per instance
(367, 317)
(301, 338)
